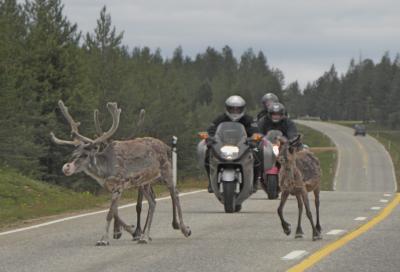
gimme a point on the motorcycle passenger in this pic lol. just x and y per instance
(276, 119)
(235, 108)
(267, 100)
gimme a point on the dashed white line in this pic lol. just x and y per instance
(387, 195)
(294, 255)
(360, 218)
(335, 232)
(384, 200)
(375, 208)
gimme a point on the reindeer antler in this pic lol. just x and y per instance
(78, 138)
(55, 140)
(99, 130)
(74, 125)
(115, 113)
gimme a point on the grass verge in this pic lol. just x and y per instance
(23, 199)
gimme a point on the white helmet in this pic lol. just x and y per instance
(235, 107)
(268, 99)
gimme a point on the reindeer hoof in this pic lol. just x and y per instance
(175, 225)
(299, 235)
(136, 235)
(287, 229)
(102, 243)
(317, 237)
(187, 232)
(117, 235)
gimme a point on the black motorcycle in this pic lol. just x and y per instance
(231, 162)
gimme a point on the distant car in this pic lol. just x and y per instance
(359, 130)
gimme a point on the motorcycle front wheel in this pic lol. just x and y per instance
(229, 196)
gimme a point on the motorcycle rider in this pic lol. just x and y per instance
(235, 108)
(267, 100)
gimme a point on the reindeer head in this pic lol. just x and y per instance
(85, 148)
(287, 150)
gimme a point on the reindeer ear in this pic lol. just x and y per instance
(296, 140)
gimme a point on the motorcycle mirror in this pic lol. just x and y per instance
(203, 135)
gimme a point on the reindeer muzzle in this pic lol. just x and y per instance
(69, 168)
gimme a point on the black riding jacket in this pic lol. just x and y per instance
(286, 126)
(247, 121)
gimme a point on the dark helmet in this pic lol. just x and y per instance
(235, 107)
(268, 99)
(276, 112)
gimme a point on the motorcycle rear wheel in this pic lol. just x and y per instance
(272, 186)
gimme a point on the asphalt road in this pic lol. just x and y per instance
(251, 240)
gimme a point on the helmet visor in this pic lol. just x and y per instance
(235, 110)
(276, 116)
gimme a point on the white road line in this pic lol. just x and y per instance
(88, 214)
(384, 200)
(294, 255)
(375, 208)
(335, 232)
(387, 195)
(360, 218)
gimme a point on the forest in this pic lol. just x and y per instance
(44, 57)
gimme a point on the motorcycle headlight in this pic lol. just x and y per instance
(229, 152)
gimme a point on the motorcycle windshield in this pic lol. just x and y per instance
(231, 133)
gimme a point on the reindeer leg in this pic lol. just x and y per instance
(316, 195)
(117, 228)
(285, 225)
(113, 209)
(185, 229)
(175, 223)
(138, 230)
(316, 234)
(299, 230)
(119, 222)
(166, 173)
(149, 195)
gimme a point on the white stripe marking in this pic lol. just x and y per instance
(375, 208)
(384, 200)
(360, 218)
(294, 255)
(387, 195)
(335, 232)
(87, 214)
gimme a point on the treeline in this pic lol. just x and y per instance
(368, 91)
(44, 57)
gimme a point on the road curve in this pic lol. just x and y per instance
(251, 240)
(364, 164)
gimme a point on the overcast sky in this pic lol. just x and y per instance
(303, 38)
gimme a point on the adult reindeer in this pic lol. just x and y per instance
(121, 165)
(299, 174)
